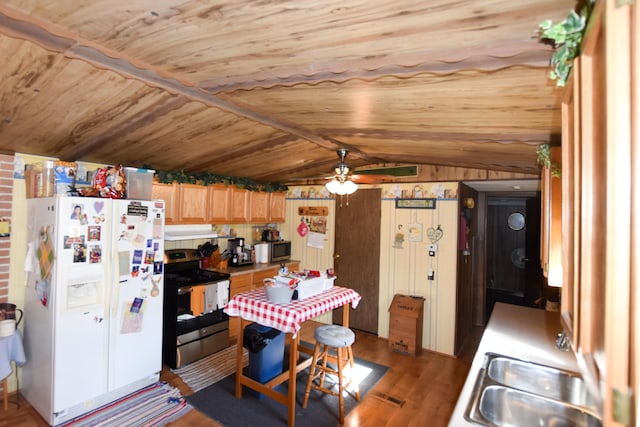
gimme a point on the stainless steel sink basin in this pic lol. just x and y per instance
(542, 380)
(511, 392)
(504, 406)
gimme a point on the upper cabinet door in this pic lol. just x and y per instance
(571, 203)
(259, 211)
(219, 203)
(170, 193)
(277, 207)
(593, 187)
(194, 204)
(619, 49)
(239, 205)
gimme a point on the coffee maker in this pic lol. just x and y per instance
(240, 254)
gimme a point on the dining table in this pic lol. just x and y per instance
(254, 307)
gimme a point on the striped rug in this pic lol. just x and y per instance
(155, 405)
(211, 369)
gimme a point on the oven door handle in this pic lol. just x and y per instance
(183, 291)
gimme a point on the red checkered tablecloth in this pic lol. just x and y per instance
(254, 306)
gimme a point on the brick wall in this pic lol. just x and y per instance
(6, 199)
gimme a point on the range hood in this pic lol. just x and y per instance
(189, 232)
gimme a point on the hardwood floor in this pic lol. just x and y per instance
(427, 386)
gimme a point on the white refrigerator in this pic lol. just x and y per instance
(93, 302)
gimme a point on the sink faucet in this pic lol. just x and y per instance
(562, 341)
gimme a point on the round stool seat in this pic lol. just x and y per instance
(335, 336)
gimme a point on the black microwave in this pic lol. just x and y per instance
(279, 250)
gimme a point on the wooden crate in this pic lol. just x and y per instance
(405, 324)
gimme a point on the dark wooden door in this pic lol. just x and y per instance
(512, 254)
(357, 255)
(466, 259)
(535, 286)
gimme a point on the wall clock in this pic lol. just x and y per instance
(516, 221)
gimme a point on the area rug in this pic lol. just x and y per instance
(211, 369)
(155, 405)
(218, 401)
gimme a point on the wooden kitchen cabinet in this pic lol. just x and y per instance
(571, 204)
(219, 203)
(267, 207)
(239, 283)
(551, 241)
(260, 207)
(194, 204)
(184, 203)
(277, 207)
(239, 205)
(260, 275)
(601, 189)
(170, 193)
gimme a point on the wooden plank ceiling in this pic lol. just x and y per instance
(269, 89)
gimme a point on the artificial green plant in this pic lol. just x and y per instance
(566, 37)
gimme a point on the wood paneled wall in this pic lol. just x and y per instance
(404, 265)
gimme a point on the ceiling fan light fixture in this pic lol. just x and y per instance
(341, 184)
(350, 186)
(341, 188)
(332, 186)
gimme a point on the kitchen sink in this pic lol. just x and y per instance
(511, 392)
(543, 380)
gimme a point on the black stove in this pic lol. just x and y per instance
(182, 268)
(195, 324)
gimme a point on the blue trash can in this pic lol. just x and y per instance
(266, 353)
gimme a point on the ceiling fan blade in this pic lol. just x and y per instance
(369, 179)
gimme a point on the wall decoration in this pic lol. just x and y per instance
(303, 229)
(318, 225)
(438, 190)
(415, 203)
(415, 232)
(434, 234)
(313, 211)
(398, 240)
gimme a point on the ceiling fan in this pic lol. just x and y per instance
(342, 172)
(341, 183)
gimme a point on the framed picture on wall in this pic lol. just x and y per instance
(415, 203)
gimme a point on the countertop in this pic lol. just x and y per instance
(521, 332)
(234, 271)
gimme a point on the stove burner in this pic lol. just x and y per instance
(193, 277)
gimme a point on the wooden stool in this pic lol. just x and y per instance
(328, 337)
